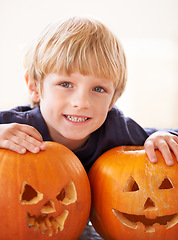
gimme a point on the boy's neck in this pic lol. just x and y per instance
(73, 145)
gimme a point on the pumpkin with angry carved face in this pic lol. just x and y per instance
(43, 196)
(133, 198)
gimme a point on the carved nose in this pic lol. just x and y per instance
(48, 207)
(149, 204)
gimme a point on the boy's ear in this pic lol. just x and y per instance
(33, 89)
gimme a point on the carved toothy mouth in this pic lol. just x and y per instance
(133, 221)
(47, 223)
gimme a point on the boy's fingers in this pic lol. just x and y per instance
(29, 138)
(20, 138)
(173, 144)
(165, 143)
(150, 151)
(7, 144)
(31, 131)
(27, 142)
(164, 148)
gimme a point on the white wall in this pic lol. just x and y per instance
(148, 30)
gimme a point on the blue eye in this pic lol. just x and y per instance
(99, 89)
(66, 85)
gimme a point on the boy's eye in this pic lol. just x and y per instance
(66, 84)
(98, 89)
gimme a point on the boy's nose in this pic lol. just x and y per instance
(80, 100)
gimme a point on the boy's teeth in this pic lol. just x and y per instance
(76, 119)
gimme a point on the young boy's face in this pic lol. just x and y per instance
(73, 106)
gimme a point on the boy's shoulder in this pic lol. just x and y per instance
(117, 124)
(115, 111)
(26, 115)
(19, 114)
(115, 115)
(21, 109)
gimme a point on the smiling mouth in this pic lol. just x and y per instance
(133, 221)
(76, 119)
(47, 224)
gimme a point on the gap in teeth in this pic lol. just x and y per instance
(76, 119)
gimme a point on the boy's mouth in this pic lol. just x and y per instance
(75, 118)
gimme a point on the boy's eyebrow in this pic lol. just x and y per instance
(57, 77)
(71, 77)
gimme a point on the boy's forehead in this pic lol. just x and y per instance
(93, 67)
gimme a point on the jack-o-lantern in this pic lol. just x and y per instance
(133, 198)
(43, 196)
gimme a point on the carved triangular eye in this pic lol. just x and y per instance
(29, 195)
(166, 184)
(68, 194)
(131, 185)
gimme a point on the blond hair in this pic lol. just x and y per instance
(78, 44)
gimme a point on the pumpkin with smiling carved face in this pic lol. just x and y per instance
(43, 196)
(133, 198)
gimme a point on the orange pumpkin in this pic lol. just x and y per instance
(133, 198)
(43, 196)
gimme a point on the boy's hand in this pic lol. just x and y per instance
(20, 138)
(165, 142)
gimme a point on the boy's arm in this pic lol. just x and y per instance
(20, 138)
(165, 142)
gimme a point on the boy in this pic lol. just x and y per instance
(75, 72)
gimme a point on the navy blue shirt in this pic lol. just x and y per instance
(117, 130)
